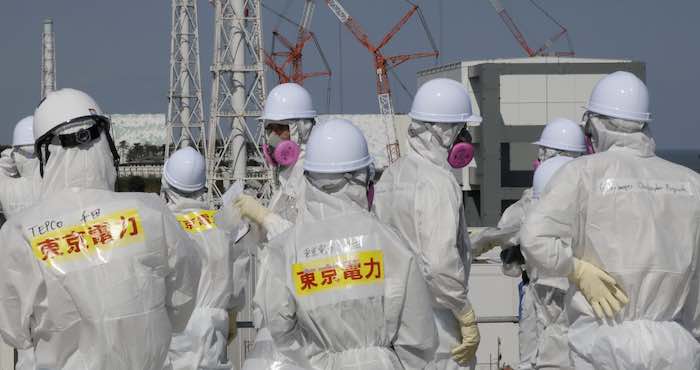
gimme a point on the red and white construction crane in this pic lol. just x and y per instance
(382, 65)
(290, 67)
(544, 49)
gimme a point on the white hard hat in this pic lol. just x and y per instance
(545, 172)
(443, 100)
(24, 132)
(185, 170)
(288, 101)
(336, 146)
(62, 106)
(563, 134)
(621, 95)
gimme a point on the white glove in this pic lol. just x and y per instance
(251, 208)
(599, 288)
(7, 164)
(466, 351)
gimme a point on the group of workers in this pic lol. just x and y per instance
(352, 275)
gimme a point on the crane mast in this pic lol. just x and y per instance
(382, 65)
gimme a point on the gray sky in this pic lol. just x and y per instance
(118, 50)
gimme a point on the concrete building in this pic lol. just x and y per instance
(144, 129)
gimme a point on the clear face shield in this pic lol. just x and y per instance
(89, 129)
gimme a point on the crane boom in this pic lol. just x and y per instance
(512, 27)
(520, 38)
(381, 65)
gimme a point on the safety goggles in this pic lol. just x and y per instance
(98, 125)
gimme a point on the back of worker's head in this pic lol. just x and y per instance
(184, 175)
(23, 147)
(618, 107)
(338, 161)
(545, 172)
(288, 117)
(560, 137)
(73, 142)
(440, 112)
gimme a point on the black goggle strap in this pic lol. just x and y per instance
(82, 136)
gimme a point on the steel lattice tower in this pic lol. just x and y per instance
(238, 94)
(48, 59)
(185, 120)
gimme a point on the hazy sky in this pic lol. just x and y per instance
(118, 50)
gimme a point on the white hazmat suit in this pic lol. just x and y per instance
(225, 267)
(343, 291)
(284, 206)
(94, 279)
(637, 217)
(21, 190)
(419, 196)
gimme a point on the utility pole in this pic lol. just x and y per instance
(185, 120)
(237, 99)
(48, 59)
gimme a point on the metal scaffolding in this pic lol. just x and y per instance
(185, 120)
(237, 98)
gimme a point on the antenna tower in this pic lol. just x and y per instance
(185, 121)
(237, 98)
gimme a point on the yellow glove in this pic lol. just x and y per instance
(599, 288)
(252, 209)
(466, 351)
(232, 328)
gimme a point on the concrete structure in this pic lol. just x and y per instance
(138, 128)
(48, 59)
(516, 97)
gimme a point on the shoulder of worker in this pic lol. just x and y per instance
(417, 173)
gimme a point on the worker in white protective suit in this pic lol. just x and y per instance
(225, 265)
(19, 189)
(288, 117)
(343, 291)
(622, 220)
(419, 196)
(539, 326)
(19, 171)
(542, 327)
(560, 137)
(92, 279)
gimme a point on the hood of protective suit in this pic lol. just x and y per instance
(27, 166)
(339, 194)
(178, 201)
(432, 141)
(615, 133)
(89, 166)
(299, 131)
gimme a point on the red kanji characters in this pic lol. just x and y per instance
(100, 233)
(50, 248)
(125, 227)
(329, 275)
(308, 280)
(75, 240)
(371, 265)
(205, 220)
(352, 271)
